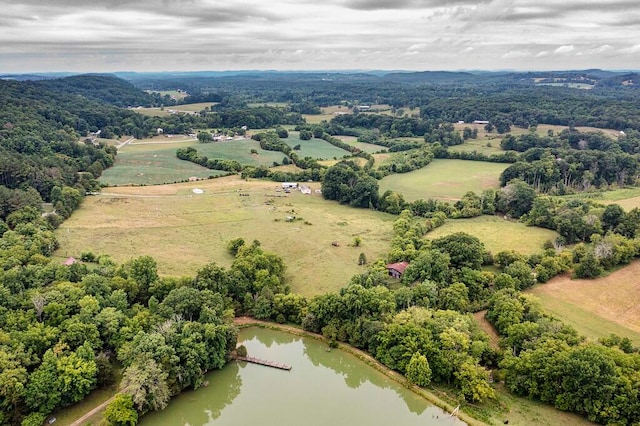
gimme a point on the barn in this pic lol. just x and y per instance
(397, 269)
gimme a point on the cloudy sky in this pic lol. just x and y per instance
(172, 35)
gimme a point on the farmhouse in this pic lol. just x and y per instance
(397, 269)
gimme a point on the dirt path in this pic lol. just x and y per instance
(128, 141)
(88, 415)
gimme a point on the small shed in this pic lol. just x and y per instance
(397, 269)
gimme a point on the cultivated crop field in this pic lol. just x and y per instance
(444, 179)
(498, 234)
(153, 162)
(597, 308)
(314, 148)
(183, 231)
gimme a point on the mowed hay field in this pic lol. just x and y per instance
(445, 179)
(240, 151)
(314, 148)
(153, 162)
(184, 231)
(597, 308)
(498, 234)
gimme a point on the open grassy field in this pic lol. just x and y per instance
(498, 234)
(174, 94)
(240, 150)
(315, 148)
(597, 307)
(153, 163)
(184, 231)
(484, 146)
(165, 111)
(541, 129)
(444, 179)
(363, 146)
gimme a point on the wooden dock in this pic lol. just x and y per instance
(273, 364)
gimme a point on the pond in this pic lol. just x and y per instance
(323, 388)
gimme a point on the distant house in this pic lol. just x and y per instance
(397, 269)
(70, 261)
(160, 130)
(288, 185)
(305, 189)
(480, 122)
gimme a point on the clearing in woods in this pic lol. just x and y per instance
(599, 307)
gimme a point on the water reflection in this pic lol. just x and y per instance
(204, 405)
(323, 388)
(355, 375)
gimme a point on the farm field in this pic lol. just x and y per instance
(186, 108)
(153, 163)
(597, 307)
(484, 146)
(541, 129)
(314, 148)
(240, 150)
(184, 231)
(444, 179)
(627, 198)
(363, 146)
(498, 234)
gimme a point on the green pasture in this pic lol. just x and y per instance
(484, 146)
(240, 151)
(498, 234)
(174, 94)
(184, 231)
(444, 179)
(314, 148)
(627, 198)
(363, 146)
(153, 164)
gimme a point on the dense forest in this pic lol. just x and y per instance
(67, 329)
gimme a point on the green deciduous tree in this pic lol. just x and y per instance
(120, 411)
(418, 371)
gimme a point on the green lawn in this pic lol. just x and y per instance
(445, 179)
(498, 234)
(314, 148)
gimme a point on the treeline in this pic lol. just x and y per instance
(562, 171)
(546, 361)
(65, 329)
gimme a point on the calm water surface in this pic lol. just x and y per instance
(323, 388)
